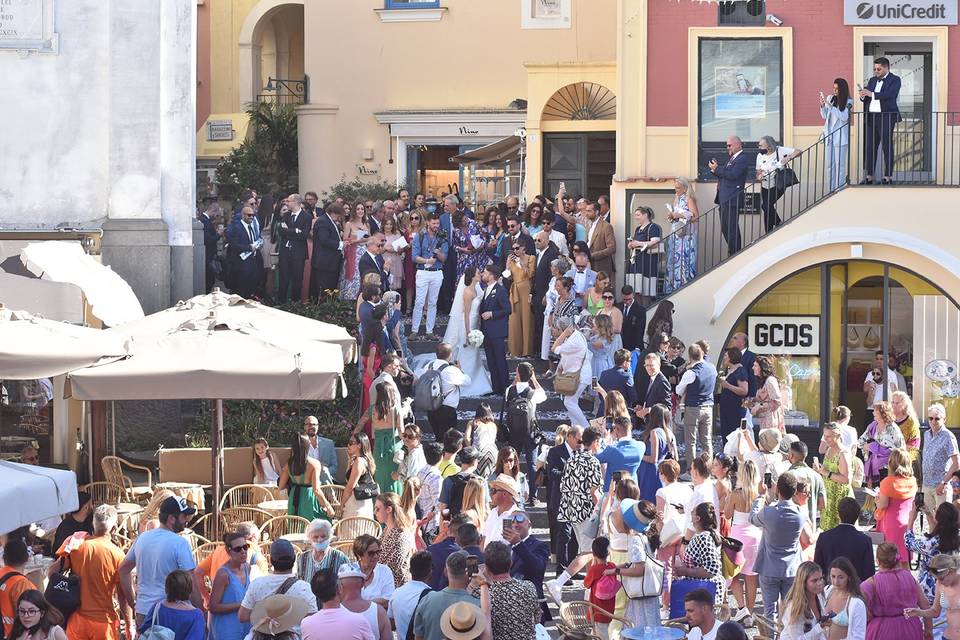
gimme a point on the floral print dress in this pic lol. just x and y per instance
(478, 259)
(926, 547)
(681, 248)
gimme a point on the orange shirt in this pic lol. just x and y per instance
(10, 592)
(97, 562)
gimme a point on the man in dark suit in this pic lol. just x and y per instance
(530, 556)
(516, 233)
(617, 379)
(243, 252)
(294, 230)
(747, 358)
(495, 309)
(634, 320)
(210, 238)
(547, 252)
(327, 257)
(880, 115)
(658, 387)
(372, 260)
(847, 541)
(562, 541)
(731, 179)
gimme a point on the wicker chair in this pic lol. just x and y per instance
(334, 494)
(122, 541)
(209, 528)
(113, 471)
(245, 495)
(205, 550)
(767, 629)
(354, 527)
(235, 515)
(574, 615)
(346, 546)
(105, 493)
(279, 526)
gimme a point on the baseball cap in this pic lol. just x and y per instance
(350, 570)
(282, 549)
(175, 505)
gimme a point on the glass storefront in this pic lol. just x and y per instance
(830, 326)
(26, 417)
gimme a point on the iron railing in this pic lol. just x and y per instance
(926, 152)
(286, 91)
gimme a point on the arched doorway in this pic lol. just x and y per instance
(858, 315)
(272, 47)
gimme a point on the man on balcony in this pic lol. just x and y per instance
(880, 116)
(731, 179)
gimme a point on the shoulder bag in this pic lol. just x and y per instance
(651, 582)
(567, 383)
(367, 488)
(157, 632)
(63, 589)
(785, 178)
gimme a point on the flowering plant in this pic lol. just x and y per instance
(475, 338)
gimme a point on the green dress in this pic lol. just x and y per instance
(301, 500)
(830, 516)
(385, 445)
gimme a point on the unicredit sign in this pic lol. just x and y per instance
(907, 12)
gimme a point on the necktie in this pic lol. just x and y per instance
(250, 233)
(581, 269)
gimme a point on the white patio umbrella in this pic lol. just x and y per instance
(32, 347)
(30, 493)
(216, 360)
(235, 310)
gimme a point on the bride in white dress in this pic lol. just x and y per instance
(471, 358)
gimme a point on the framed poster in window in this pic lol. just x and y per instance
(545, 14)
(741, 94)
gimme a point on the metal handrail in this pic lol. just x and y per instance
(926, 152)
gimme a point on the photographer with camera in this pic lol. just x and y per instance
(430, 249)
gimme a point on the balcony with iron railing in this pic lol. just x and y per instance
(286, 91)
(926, 153)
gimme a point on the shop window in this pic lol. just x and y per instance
(741, 94)
(26, 417)
(752, 13)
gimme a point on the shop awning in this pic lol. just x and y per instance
(506, 149)
(110, 297)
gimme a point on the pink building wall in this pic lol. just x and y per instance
(822, 51)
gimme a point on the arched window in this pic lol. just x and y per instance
(581, 101)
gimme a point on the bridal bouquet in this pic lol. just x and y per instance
(475, 338)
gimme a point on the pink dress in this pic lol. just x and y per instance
(893, 522)
(749, 535)
(887, 594)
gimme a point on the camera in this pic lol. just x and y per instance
(442, 235)
(774, 20)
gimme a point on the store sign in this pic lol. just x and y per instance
(893, 13)
(784, 335)
(220, 130)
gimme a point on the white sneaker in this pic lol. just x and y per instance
(740, 614)
(554, 590)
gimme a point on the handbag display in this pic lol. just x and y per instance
(651, 582)
(567, 383)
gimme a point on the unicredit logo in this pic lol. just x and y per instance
(901, 11)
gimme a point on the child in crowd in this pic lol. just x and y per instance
(603, 589)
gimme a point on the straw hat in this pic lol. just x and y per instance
(278, 613)
(506, 483)
(462, 621)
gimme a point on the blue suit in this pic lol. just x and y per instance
(495, 334)
(616, 379)
(730, 196)
(623, 455)
(530, 558)
(878, 127)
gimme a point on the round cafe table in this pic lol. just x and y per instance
(189, 490)
(274, 507)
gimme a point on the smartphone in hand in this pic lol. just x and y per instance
(768, 479)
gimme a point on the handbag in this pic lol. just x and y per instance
(731, 556)
(673, 527)
(651, 582)
(367, 488)
(156, 632)
(785, 178)
(567, 383)
(63, 589)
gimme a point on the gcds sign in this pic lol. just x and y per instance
(784, 335)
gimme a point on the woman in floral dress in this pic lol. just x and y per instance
(356, 233)
(682, 247)
(469, 254)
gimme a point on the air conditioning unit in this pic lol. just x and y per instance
(742, 13)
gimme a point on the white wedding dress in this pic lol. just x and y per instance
(471, 358)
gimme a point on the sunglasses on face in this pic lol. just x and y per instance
(240, 549)
(409, 436)
(414, 217)
(519, 518)
(608, 297)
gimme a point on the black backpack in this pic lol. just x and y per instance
(520, 414)
(459, 483)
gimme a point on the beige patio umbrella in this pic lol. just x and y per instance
(235, 310)
(32, 347)
(216, 360)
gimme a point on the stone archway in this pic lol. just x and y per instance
(251, 70)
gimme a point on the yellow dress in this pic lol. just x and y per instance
(520, 331)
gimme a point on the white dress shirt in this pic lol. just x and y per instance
(874, 102)
(451, 379)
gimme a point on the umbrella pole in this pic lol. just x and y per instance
(113, 426)
(216, 449)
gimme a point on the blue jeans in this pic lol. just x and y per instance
(774, 588)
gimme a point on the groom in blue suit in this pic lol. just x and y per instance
(731, 179)
(495, 309)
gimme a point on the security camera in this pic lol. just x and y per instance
(774, 19)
